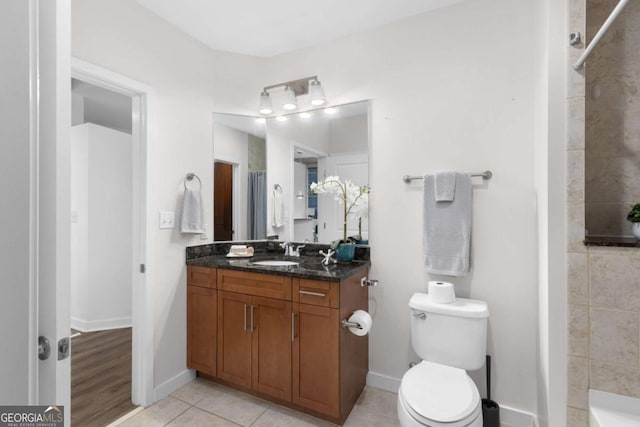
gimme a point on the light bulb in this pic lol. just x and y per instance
(265, 103)
(316, 93)
(290, 101)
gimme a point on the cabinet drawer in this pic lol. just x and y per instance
(201, 276)
(316, 292)
(262, 285)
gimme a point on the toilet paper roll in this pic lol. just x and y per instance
(363, 319)
(442, 292)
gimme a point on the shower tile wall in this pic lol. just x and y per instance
(612, 120)
(603, 283)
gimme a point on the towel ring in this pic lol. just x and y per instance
(190, 177)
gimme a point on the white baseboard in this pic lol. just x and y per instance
(172, 384)
(517, 418)
(100, 325)
(512, 417)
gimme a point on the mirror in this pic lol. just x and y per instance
(295, 151)
(240, 180)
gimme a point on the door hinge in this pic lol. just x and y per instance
(143, 268)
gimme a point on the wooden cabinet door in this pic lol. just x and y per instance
(234, 338)
(316, 378)
(201, 329)
(272, 332)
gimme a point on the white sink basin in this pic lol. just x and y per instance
(276, 263)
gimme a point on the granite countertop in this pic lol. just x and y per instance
(309, 267)
(621, 242)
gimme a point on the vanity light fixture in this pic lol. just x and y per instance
(316, 93)
(293, 89)
(265, 103)
(290, 100)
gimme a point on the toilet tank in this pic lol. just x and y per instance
(450, 334)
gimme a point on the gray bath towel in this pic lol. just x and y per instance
(445, 186)
(192, 216)
(447, 228)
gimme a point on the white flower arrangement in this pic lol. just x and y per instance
(354, 198)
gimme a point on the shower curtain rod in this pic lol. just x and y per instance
(601, 32)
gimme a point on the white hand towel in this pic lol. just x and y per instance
(445, 186)
(447, 228)
(191, 220)
(277, 208)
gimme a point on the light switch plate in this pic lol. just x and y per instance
(167, 219)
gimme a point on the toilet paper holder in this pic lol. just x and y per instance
(347, 324)
(364, 281)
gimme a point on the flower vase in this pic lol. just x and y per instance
(636, 230)
(345, 252)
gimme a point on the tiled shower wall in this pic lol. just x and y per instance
(603, 282)
(612, 119)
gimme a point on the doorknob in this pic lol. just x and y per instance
(44, 348)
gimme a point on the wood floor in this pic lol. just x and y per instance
(100, 377)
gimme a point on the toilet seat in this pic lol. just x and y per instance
(438, 395)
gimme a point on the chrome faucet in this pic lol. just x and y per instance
(296, 252)
(289, 251)
(288, 248)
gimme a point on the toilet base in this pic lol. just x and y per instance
(406, 420)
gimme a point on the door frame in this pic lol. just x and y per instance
(142, 360)
(235, 195)
(292, 158)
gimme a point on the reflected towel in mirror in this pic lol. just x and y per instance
(277, 207)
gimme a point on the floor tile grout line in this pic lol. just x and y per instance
(224, 418)
(258, 417)
(174, 418)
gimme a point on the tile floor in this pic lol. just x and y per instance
(205, 403)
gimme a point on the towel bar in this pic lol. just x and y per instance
(484, 175)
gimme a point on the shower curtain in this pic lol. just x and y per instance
(257, 206)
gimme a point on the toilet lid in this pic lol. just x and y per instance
(439, 393)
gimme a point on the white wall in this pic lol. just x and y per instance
(349, 135)
(232, 146)
(190, 83)
(449, 89)
(101, 232)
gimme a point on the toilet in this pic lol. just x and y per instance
(450, 339)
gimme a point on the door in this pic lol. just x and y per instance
(316, 359)
(271, 365)
(235, 320)
(354, 167)
(201, 328)
(223, 202)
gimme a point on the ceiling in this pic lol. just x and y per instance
(268, 28)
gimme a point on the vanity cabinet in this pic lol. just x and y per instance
(316, 373)
(201, 319)
(254, 343)
(280, 337)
